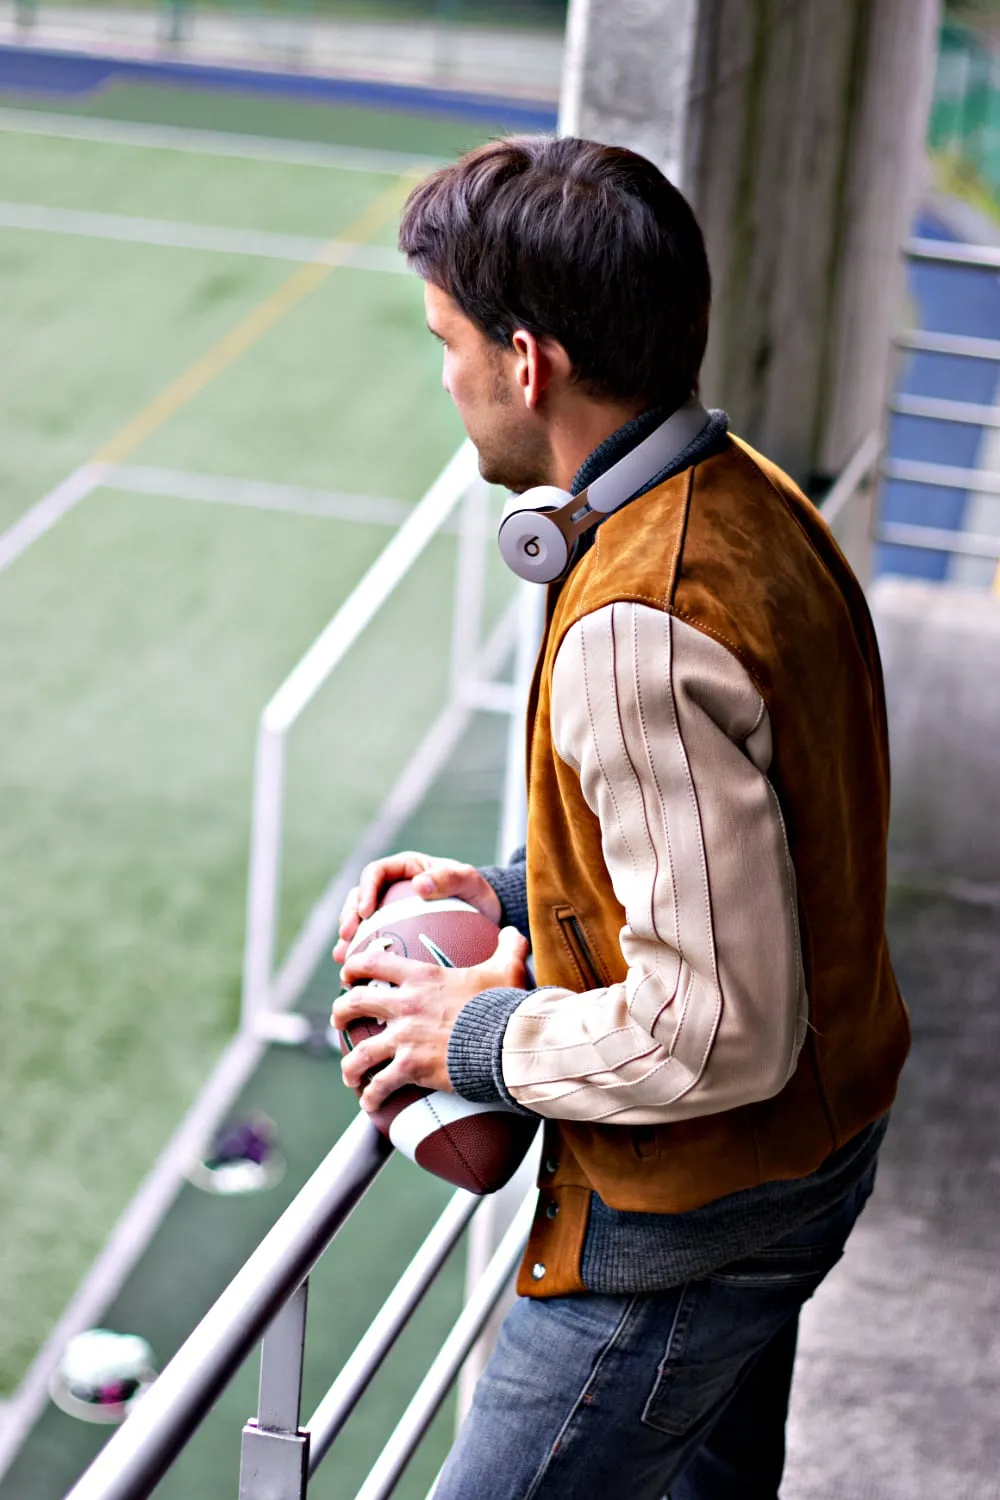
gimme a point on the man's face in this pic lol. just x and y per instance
(481, 379)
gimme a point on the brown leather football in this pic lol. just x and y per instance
(475, 1146)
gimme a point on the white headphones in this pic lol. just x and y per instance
(539, 528)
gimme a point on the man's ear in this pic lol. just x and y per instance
(539, 362)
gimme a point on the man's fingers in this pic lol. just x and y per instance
(385, 1082)
(382, 872)
(375, 963)
(508, 961)
(512, 945)
(440, 881)
(349, 918)
(364, 1058)
(365, 1000)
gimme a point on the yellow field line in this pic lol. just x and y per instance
(253, 326)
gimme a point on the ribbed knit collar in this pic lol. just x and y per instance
(708, 441)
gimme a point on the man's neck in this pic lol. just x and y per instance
(575, 434)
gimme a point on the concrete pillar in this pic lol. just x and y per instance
(796, 127)
(941, 653)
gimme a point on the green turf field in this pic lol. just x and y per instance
(145, 630)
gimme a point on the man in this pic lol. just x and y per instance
(717, 1034)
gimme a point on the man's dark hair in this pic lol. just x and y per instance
(586, 243)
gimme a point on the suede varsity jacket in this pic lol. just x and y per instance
(716, 1014)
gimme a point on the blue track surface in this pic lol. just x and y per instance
(39, 70)
(948, 299)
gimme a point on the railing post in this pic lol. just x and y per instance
(274, 1457)
(470, 583)
(263, 884)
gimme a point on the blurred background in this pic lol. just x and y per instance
(219, 407)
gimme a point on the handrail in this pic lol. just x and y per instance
(939, 539)
(955, 253)
(423, 1408)
(852, 476)
(300, 686)
(367, 598)
(964, 345)
(943, 476)
(350, 1385)
(141, 1451)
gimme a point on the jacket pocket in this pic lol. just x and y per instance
(579, 948)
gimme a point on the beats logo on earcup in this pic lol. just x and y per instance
(532, 543)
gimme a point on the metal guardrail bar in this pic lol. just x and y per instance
(949, 343)
(137, 1456)
(851, 477)
(943, 476)
(438, 1381)
(938, 539)
(938, 409)
(949, 253)
(350, 1385)
(367, 597)
(329, 648)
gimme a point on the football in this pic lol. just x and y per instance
(474, 1146)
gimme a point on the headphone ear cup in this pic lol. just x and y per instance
(533, 547)
(531, 543)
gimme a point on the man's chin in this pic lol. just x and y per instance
(495, 471)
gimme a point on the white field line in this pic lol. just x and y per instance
(213, 143)
(129, 1239)
(42, 516)
(178, 235)
(176, 484)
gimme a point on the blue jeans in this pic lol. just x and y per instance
(628, 1398)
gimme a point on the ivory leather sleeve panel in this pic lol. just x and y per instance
(672, 744)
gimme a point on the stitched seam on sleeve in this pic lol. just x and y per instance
(693, 796)
(668, 643)
(800, 978)
(706, 889)
(597, 749)
(757, 722)
(630, 762)
(640, 709)
(723, 639)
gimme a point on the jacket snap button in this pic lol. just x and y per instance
(551, 1209)
(550, 1164)
(537, 1271)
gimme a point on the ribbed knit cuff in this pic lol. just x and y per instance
(510, 883)
(475, 1048)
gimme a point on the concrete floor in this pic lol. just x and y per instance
(897, 1393)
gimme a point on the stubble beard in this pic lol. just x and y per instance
(512, 454)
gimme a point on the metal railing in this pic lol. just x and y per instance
(267, 1300)
(269, 990)
(953, 541)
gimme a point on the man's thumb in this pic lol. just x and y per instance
(512, 945)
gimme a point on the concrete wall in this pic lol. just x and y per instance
(941, 653)
(796, 127)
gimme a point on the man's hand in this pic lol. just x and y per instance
(433, 878)
(419, 1014)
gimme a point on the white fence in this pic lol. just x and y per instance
(270, 987)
